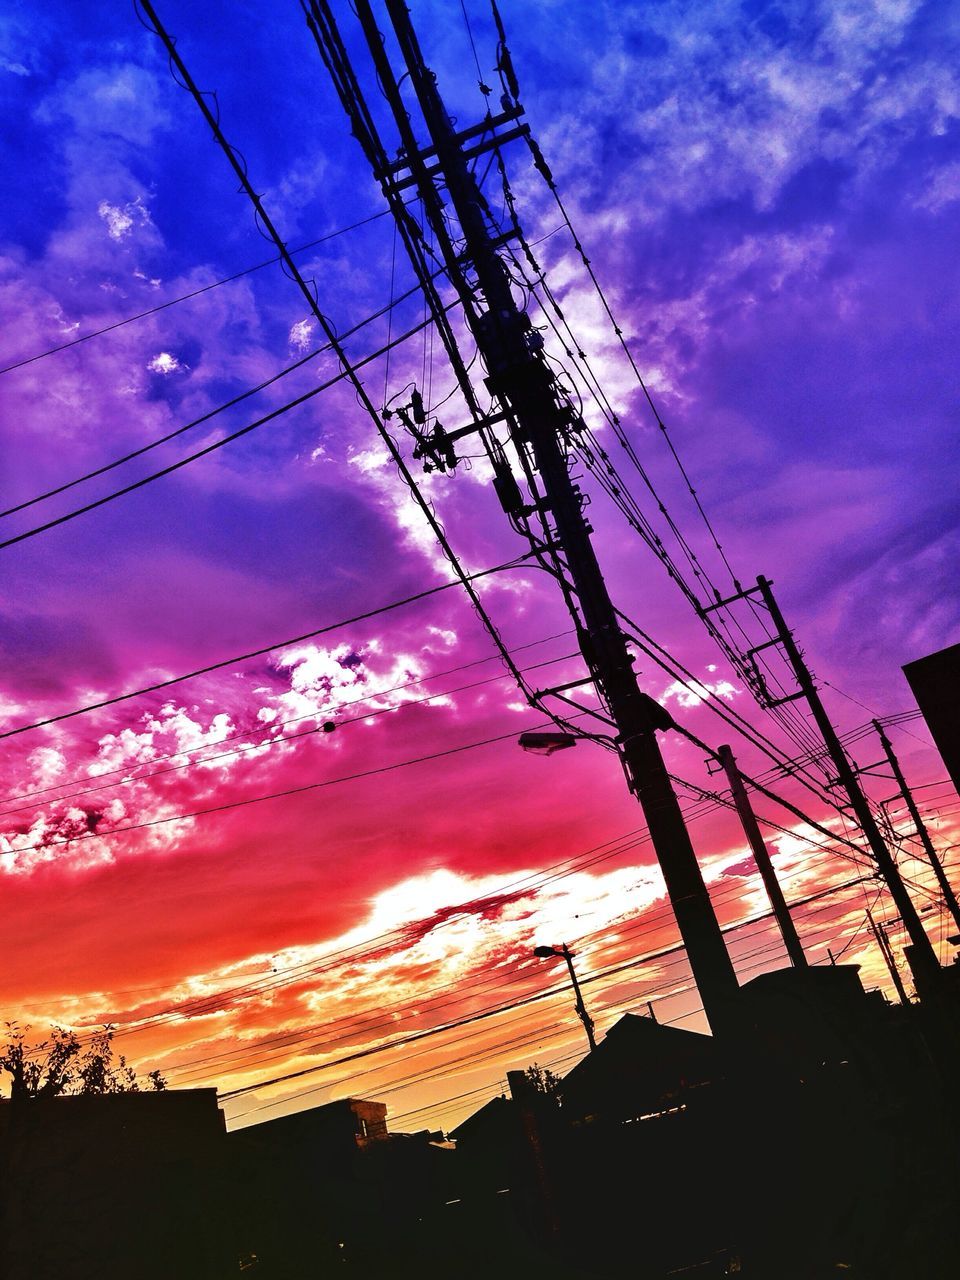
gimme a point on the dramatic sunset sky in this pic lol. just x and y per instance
(770, 196)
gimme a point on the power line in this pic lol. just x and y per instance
(413, 1037)
(185, 297)
(617, 489)
(560, 870)
(789, 719)
(376, 944)
(667, 662)
(327, 709)
(257, 653)
(600, 853)
(272, 795)
(539, 1035)
(309, 293)
(280, 739)
(424, 1003)
(212, 413)
(650, 922)
(216, 1000)
(523, 1040)
(676, 951)
(357, 953)
(344, 375)
(442, 1107)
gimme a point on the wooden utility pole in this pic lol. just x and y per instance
(949, 897)
(921, 955)
(542, 422)
(761, 854)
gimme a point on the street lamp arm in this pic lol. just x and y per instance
(547, 953)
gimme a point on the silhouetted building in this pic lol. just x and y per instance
(806, 1017)
(935, 681)
(640, 1067)
(114, 1187)
(486, 1132)
(332, 1187)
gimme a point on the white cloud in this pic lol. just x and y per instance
(729, 112)
(164, 362)
(48, 764)
(321, 679)
(10, 711)
(122, 219)
(300, 334)
(449, 638)
(692, 692)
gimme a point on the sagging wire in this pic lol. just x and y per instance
(310, 296)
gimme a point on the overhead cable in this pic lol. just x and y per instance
(185, 297)
(327, 709)
(272, 795)
(310, 296)
(259, 653)
(343, 376)
(221, 408)
(413, 1037)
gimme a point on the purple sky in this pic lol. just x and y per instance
(770, 197)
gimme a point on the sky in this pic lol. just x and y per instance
(768, 195)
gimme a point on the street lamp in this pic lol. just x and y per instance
(546, 953)
(545, 744)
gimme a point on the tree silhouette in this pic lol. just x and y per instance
(543, 1080)
(60, 1065)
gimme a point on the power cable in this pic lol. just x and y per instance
(360, 950)
(367, 1021)
(309, 294)
(791, 721)
(208, 449)
(578, 863)
(649, 923)
(258, 653)
(413, 1037)
(327, 709)
(185, 297)
(540, 1035)
(229, 404)
(280, 739)
(619, 846)
(273, 795)
(440, 1106)
(619, 492)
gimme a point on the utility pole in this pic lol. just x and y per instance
(762, 858)
(883, 942)
(563, 950)
(907, 796)
(921, 956)
(542, 421)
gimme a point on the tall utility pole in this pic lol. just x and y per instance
(541, 422)
(907, 796)
(761, 854)
(921, 955)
